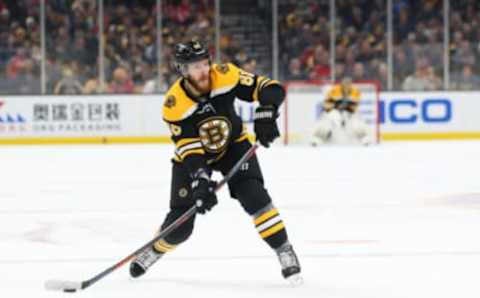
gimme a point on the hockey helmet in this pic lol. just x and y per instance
(189, 52)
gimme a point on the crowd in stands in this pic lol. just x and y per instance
(20, 51)
(132, 65)
(361, 42)
(72, 44)
(131, 42)
(464, 44)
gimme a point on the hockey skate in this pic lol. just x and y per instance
(143, 261)
(290, 265)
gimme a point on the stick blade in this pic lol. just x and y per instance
(62, 285)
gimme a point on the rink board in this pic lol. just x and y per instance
(81, 119)
(137, 118)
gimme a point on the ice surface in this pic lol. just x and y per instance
(395, 220)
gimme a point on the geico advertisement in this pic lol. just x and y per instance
(397, 111)
(429, 111)
(80, 116)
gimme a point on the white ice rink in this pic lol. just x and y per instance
(397, 220)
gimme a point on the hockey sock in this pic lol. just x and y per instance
(270, 226)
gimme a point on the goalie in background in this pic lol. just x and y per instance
(339, 122)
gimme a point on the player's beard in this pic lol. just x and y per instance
(202, 84)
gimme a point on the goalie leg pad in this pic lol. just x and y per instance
(323, 129)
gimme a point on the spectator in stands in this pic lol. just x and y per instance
(403, 23)
(92, 86)
(249, 65)
(424, 79)
(319, 64)
(349, 62)
(27, 80)
(17, 63)
(366, 52)
(155, 84)
(466, 80)
(68, 84)
(463, 54)
(121, 82)
(296, 71)
(339, 70)
(179, 12)
(402, 65)
(359, 72)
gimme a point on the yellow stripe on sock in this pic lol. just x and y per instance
(272, 230)
(269, 214)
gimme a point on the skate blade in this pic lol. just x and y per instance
(295, 280)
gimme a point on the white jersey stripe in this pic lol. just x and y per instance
(195, 145)
(269, 223)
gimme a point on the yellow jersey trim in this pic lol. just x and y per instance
(177, 105)
(243, 137)
(224, 78)
(260, 81)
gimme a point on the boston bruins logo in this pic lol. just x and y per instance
(215, 133)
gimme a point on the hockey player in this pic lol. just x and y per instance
(339, 122)
(209, 136)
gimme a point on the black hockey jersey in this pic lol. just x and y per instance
(202, 128)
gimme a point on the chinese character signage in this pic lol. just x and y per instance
(77, 116)
(81, 116)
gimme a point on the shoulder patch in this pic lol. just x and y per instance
(171, 101)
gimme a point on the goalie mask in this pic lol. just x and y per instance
(189, 52)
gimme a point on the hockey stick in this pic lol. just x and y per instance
(73, 286)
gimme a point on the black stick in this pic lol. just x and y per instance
(72, 286)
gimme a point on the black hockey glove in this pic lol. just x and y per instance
(203, 192)
(265, 124)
